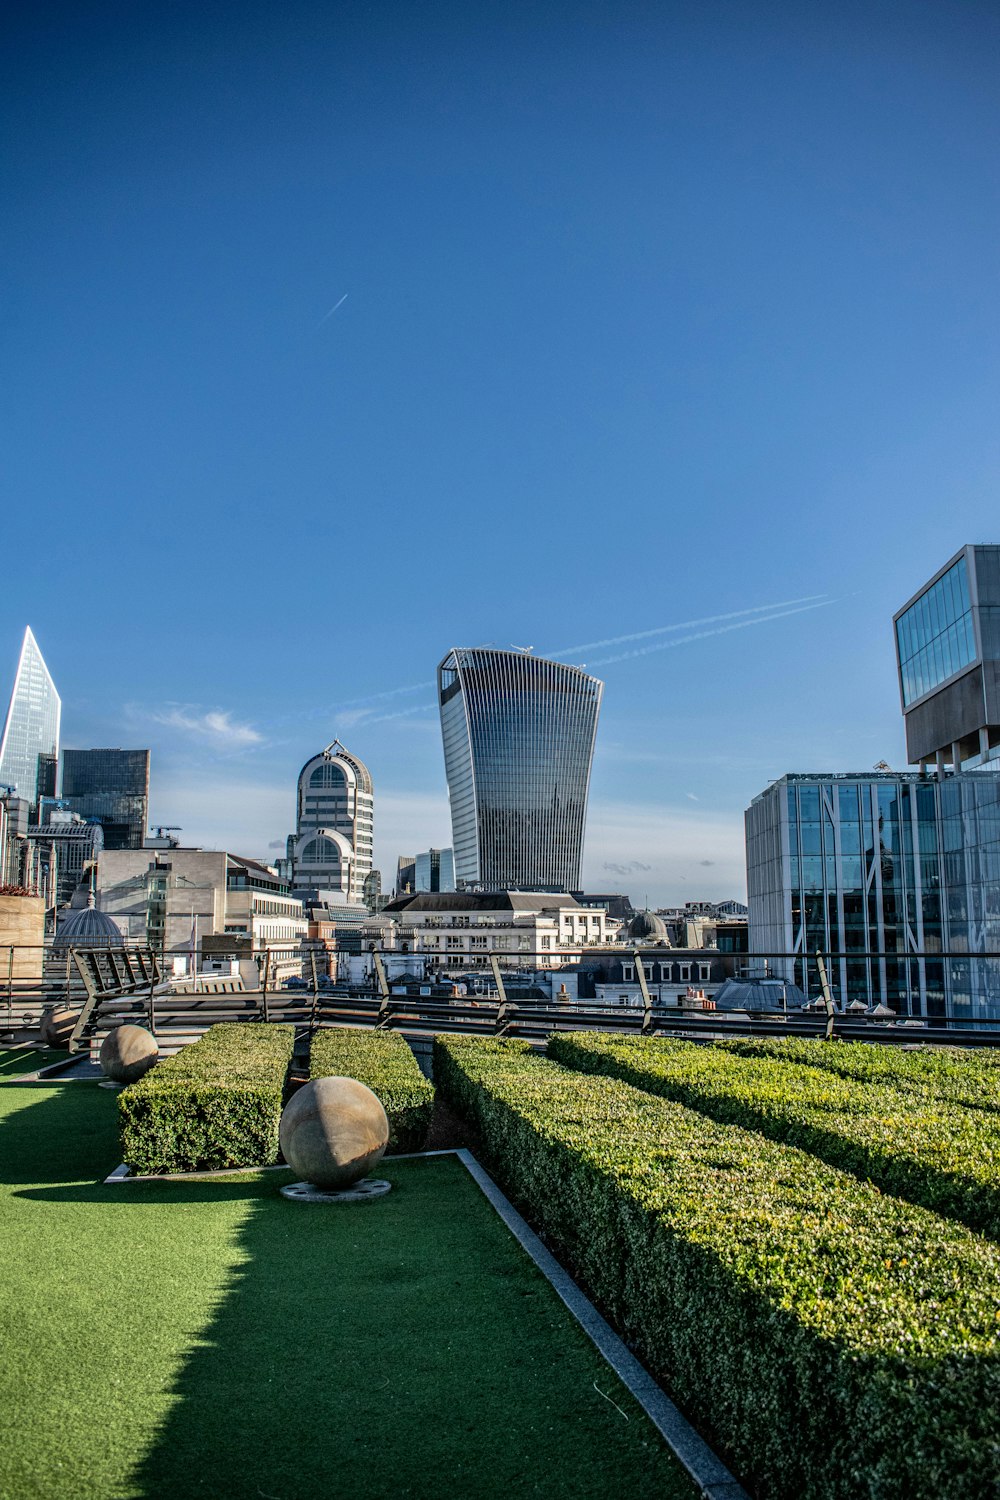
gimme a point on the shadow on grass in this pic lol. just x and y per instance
(404, 1347)
(68, 1133)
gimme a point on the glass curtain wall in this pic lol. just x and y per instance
(518, 734)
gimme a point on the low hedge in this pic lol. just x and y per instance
(385, 1063)
(933, 1152)
(962, 1075)
(835, 1343)
(215, 1104)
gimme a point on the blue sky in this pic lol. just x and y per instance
(653, 313)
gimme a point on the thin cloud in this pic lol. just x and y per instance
(216, 726)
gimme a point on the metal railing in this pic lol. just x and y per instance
(107, 986)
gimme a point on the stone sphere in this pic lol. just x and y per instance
(57, 1026)
(333, 1132)
(127, 1053)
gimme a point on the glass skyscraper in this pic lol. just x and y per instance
(518, 736)
(30, 742)
(110, 787)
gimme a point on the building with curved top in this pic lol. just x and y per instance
(331, 849)
(518, 734)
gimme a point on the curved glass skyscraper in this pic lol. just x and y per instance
(518, 744)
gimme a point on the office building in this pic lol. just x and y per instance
(29, 749)
(66, 850)
(948, 660)
(110, 787)
(334, 828)
(174, 899)
(518, 735)
(455, 931)
(895, 876)
(406, 875)
(434, 870)
(883, 871)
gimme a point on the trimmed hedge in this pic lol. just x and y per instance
(962, 1075)
(384, 1062)
(835, 1343)
(934, 1153)
(215, 1104)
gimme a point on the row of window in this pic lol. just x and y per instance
(683, 976)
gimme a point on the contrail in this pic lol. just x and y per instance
(330, 314)
(701, 635)
(813, 601)
(641, 635)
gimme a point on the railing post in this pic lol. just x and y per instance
(827, 997)
(263, 985)
(648, 1019)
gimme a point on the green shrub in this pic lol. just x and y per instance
(385, 1063)
(961, 1075)
(215, 1104)
(835, 1343)
(935, 1153)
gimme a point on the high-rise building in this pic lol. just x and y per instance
(334, 826)
(31, 731)
(948, 659)
(110, 787)
(895, 876)
(434, 870)
(518, 737)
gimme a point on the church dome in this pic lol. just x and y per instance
(647, 927)
(88, 928)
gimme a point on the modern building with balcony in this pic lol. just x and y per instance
(518, 735)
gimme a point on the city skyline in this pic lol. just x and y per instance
(563, 331)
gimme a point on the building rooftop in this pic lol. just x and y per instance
(465, 901)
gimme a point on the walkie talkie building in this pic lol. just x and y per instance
(518, 745)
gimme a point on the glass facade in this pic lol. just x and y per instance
(935, 636)
(110, 787)
(886, 872)
(31, 731)
(518, 736)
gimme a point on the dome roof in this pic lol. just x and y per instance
(88, 928)
(647, 927)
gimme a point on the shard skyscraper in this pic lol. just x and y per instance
(29, 751)
(519, 737)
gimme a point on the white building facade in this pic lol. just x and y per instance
(332, 847)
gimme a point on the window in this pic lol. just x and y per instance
(628, 972)
(704, 971)
(546, 941)
(685, 971)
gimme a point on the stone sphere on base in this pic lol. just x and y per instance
(333, 1132)
(127, 1053)
(57, 1026)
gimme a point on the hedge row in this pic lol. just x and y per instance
(958, 1074)
(835, 1343)
(385, 1063)
(215, 1104)
(934, 1153)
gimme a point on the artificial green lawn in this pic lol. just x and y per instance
(17, 1060)
(209, 1338)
